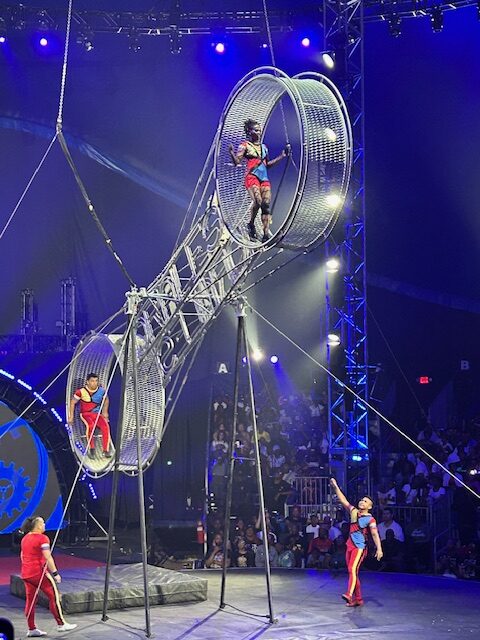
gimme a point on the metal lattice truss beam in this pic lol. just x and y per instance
(349, 418)
(206, 21)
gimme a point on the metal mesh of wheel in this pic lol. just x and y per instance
(324, 154)
(98, 353)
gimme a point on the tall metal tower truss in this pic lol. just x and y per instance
(348, 416)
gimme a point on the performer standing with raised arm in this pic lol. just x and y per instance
(256, 177)
(361, 521)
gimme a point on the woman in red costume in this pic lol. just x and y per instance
(256, 177)
(39, 572)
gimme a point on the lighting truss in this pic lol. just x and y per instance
(208, 22)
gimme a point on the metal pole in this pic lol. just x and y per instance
(241, 324)
(226, 528)
(116, 476)
(141, 494)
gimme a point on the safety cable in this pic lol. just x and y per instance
(65, 63)
(364, 402)
(29, 184)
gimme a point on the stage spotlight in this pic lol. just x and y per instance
(85, 41)
(175, 44)
(330, 135)
(244, 359)
(333, 340)
(305, 42)
(264, 45)
(333, 200)
(332, 265)
(437, 20)
(274, 359)
(219, 47)
(133, 43)
(3, 31)
(257, 355)
(43, 41)
(328, 59)
(395, 26)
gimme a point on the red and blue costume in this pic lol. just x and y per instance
(256, 157)
(357, 549)
(90, 414)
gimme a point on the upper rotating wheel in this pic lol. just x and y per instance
(322, 154)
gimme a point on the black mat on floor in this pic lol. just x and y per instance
(82, 589)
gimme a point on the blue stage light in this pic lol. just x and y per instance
(43, 41)
(219, 47)
(2, 39)
(274, 359)
(305, 42)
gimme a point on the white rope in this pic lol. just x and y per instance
(367, 404)
(65, 63)
(29, 184)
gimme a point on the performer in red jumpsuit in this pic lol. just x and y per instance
(361, 521)
(39, 572)
(256, 177)
(93, 412)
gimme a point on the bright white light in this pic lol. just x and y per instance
(328, 60)
(305, 42)
(169, 463)
(220, 47)
(274, 359)
(330, 135)
(332, 265)
(43, 42)
(2, 39)
(257, 355)
(333, 340)
(333, 200)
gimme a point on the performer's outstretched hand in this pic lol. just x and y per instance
(333, 483)
(288, 150)
(379, 554)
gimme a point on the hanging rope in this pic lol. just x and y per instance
(65, 63)
(367, 404)
(29, 184)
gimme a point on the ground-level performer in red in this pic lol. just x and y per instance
(93, 412)
(361, 522)
(39, 572)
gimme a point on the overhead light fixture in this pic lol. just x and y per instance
(175, 44)
(332, 265)
(133, 43)
(328, 59)
(274, 359)
(257, 355)
(333, 340)
(437, 20)
(333, 200)
(330, 134)
(395, 26)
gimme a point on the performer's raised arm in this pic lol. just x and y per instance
(343, 500)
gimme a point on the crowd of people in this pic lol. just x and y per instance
(292, 433)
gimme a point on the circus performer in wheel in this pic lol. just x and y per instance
(93, 413)
(256, 177)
